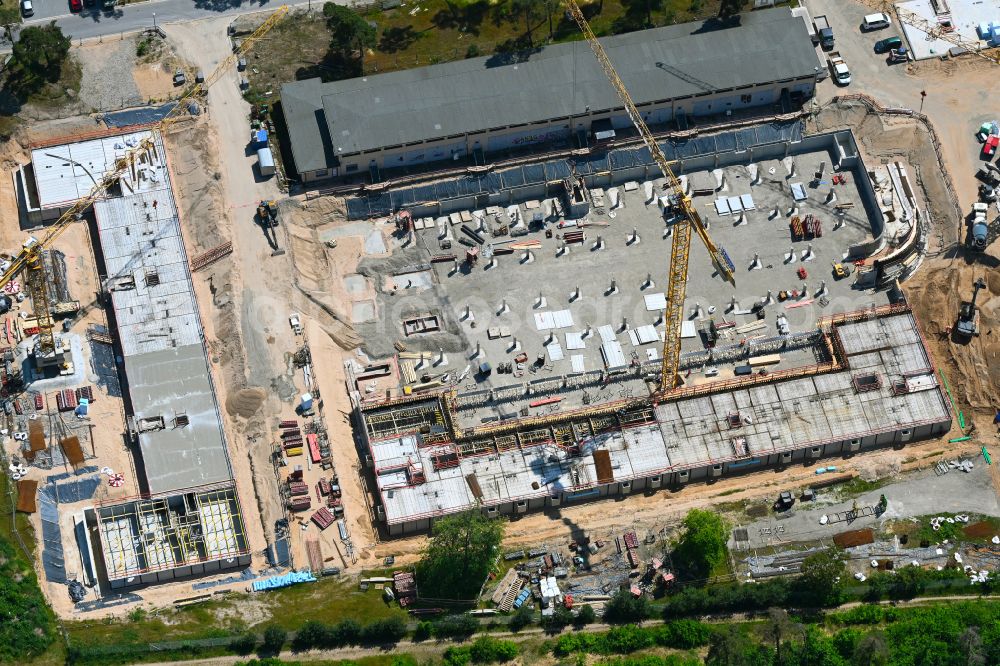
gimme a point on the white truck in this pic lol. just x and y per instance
(839, 70)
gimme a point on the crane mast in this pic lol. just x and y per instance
(30, 259)
(680, 246)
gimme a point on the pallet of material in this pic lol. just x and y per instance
(504, 585)
(766, 359)
(405, 586)
(315, 554)
(66, 400)
(293, 452)
(323, 518)
(508, 599)
(86, 392)
(292, 443)
(291, 434)
(39, 402)
(633, 559)
(443, 258)
(298, 488)
(299, 503)
(288, 423)
(324, 486)
(631, 540)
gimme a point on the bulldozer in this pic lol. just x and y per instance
(968, 314)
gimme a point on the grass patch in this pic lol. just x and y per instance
(858, 486)
(327, 601)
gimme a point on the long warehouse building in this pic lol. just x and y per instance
(485, 107)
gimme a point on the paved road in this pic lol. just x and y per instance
(95, 22)
(924, 494)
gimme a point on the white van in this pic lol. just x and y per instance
(876, 22)
(26, 8)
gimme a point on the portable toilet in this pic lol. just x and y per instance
(265, 161)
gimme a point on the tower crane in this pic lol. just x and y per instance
(680, 245)
(48, 351)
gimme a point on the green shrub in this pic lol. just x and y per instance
(274, 640)
(456, 626)
(489, 650)
(423, 631)
(244, 644)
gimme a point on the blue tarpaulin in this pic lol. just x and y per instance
(285, 580)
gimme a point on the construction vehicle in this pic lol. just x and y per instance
(968, 314)
(49, 350)
(267, 213)
(680, 246)
(840, 271)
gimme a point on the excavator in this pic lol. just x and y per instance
(680, 246)
(49, 350)
(968, 314)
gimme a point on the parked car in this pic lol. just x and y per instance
(76, 5)
(26, 8)
(875, 22)
(888, 44)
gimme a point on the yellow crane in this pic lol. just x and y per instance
(30, 258)
(680, 245)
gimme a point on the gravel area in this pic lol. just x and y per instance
(107, 82)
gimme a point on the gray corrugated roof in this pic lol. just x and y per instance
(563, 80)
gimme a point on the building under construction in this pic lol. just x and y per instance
(188, 520)
(874, 385)
(532, 314)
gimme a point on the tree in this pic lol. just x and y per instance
(38, 57)
(274, 640)
(388, 630)
(528, 11)
(702, 546)
(244, 643)
(558, 620)
(456, 626)
(730, 647)
(624, 608)
(460, 554)
(345, 632)
(971, 645)
(729, 8)
(349, 31)
(488, 650)
(423, 631)
(522, 617)
(778, 626)
(820, 579)
(585, 615)
(311, 634)
(871, 651)
(907, 583)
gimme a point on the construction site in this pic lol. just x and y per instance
(797, 361)
(214, 377)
